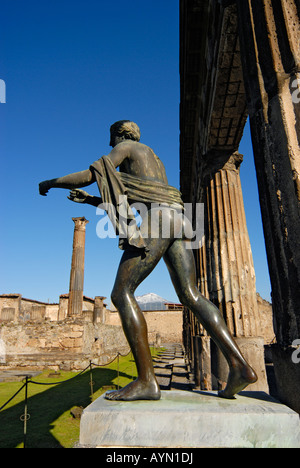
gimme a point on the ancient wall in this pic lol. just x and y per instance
(87, 304)
(165, 324)
(14, 307)
(265, 313)
(10, 305)
(67, 345)
(39, 335)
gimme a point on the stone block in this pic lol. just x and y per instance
(8, 314)
(191, 419)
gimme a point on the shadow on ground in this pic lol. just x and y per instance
(46, 407)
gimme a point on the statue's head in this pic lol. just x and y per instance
(124, 130)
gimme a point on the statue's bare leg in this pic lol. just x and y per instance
(180, 263)
(133, 269)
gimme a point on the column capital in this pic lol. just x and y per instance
(217, 161)
(80, 223)
(234, 162)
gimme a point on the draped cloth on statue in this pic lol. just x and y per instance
(117, 189)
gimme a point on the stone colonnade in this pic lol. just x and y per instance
(269, 35)
(241, 58)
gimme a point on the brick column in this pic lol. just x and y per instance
(269, 34)
(77, 268)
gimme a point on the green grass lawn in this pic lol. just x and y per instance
(51, 424)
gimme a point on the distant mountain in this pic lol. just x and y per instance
(150, 297)
(151, 301)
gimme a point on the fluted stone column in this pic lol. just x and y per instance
(202, 377)
(229, 271)
(77, 268)
(230, 276)
(269, 34)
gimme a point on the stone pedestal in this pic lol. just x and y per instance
(191, 419)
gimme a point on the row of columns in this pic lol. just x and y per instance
(270, 51)
(269, 35)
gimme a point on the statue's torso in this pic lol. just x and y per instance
(143, 163)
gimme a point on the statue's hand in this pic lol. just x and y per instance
(44, 187)
(78, 196)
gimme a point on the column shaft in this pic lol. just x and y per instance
(77, 268)
(270, 49)
(269, 34)
(230, 271)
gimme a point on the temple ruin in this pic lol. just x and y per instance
(78, 329)
(239, 59)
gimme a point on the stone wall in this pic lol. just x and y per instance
(39, 335)
(88, 304)
(265, 313)
(165, 324)
(67, 345)
(10, 307)
(14, 307)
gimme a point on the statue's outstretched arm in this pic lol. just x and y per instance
(80, 196)
(70, 181)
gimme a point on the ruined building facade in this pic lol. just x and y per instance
(79, 329)
(240, 59)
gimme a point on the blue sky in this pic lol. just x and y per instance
(71, 69)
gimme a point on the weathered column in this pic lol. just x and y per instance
(99, 310)
(202, 377)
(270, 50)
(230, 271)
(77, 268)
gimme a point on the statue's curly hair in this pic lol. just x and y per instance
(126, 128)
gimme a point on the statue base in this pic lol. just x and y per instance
(191, 419)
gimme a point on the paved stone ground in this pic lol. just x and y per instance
(171, 369)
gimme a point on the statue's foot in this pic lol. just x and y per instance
(137, 390)
(239, 378)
